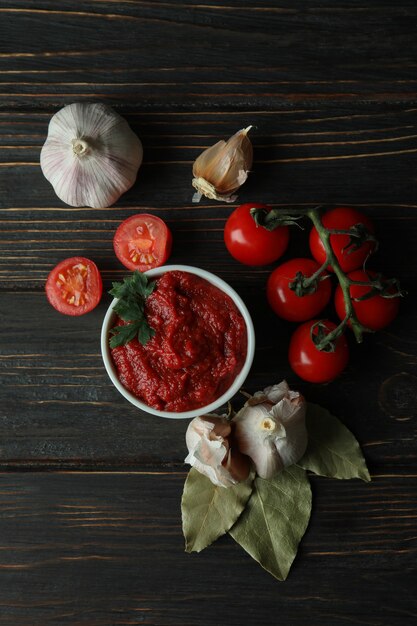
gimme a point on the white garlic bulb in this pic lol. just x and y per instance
(271, 429)
(91, 155)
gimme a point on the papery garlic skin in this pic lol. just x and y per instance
(210, 452)
(91, 155)
(220, 170)
(271, 429)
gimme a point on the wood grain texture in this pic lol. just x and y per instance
(90, 487)
(106, 548)
(58, 406)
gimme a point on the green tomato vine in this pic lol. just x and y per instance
(302, 285)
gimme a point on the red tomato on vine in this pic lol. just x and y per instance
(285, 291)
(250, 243)
(375, 312)
(350, 251)
(312, 364)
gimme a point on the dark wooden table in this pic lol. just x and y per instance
(90, 525)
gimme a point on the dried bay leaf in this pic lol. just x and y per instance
(332, 450)
(275, 519)
(209, 511)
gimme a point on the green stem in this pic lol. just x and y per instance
(312, 279)
(337, 231)
(344, 282)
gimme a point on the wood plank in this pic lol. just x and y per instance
(362, 156)
(102, 549)
(301, 159)
(368, 52)
(33, 241)
(58, 406)
(331, 91)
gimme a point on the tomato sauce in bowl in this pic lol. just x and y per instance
(201, 352)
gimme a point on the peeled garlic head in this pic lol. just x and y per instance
(271, 429)
(91, 155)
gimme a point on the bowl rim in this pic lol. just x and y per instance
(240, 378)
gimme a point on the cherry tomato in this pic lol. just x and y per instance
(251, 244)
(284, 300)
(142, 242)
(342, 219)
(311, 364)
(74, 286)
(374, 313)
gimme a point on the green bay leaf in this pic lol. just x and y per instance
(332, 450)
(208, 511)
(275, 520)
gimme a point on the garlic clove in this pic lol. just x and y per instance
(271, 429)
(220, 170)
(237, 465)
(205, 165)
(292, 414)
(208, 448)
(91, 155)
(256, 433)
(208, 440)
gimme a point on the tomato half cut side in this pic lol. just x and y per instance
(142, 242)
(74, 286)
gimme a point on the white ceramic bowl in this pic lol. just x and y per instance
(240, 378)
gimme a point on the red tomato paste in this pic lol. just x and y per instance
(197, 351)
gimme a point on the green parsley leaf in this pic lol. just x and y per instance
(129, 310)
(145, 333)
(141, 285)
(131, 294)
(136, 284)
(119, 289)
(123, 334)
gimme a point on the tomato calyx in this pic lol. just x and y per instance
(379, 286)
(323, 338)
(358, 235)
(303, 285)
(270, 220)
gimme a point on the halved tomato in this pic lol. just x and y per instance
(74, 286)
(142, 242)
